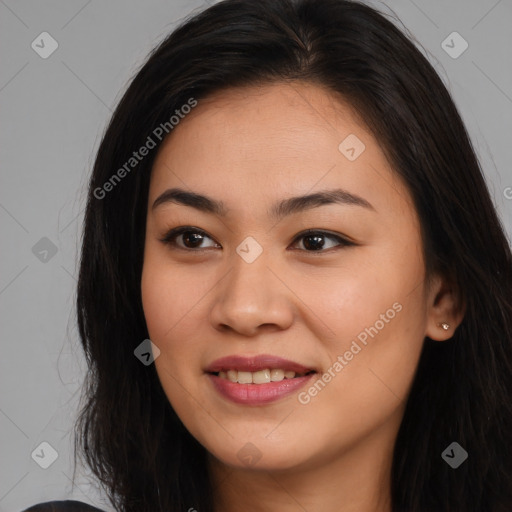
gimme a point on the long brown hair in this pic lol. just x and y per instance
(128, 432)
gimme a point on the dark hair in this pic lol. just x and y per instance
(130, 435)
(62, 506)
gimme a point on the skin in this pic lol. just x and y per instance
(250, 148)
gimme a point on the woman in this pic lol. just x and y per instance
(294, 289)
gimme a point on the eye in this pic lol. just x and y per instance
(192, 238)
(314, 241)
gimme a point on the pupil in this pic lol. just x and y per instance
(194, 239)
(317, 244)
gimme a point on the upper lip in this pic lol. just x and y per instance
(255, 363)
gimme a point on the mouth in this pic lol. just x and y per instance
(260, 377)
(257, 380)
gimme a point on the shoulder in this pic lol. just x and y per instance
(62, 506)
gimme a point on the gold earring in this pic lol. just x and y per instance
(444, 326)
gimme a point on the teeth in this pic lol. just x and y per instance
(244, 377)
(276, 375)
(259, 377)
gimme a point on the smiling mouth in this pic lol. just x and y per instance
(260, 377)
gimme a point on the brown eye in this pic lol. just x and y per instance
(315, 241)
(191, 238)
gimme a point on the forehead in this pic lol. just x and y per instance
(280, 139)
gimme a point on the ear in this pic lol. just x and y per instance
(444, 308)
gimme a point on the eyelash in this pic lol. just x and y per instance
(170, 239)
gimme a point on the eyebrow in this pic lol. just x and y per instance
(279, 210)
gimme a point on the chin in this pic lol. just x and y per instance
(259, 462)
(256, 453)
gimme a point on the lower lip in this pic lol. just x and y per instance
(257, 394)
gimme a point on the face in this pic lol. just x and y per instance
(331, 287)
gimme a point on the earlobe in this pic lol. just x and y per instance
(445, 312)
(443, 332)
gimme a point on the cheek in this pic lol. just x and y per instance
(172, 300)
(351, 299)
(163, 307)
(168, 292)
(371, 364)
(166, 301)
(376, 318)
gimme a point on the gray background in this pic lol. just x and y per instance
(54, 112)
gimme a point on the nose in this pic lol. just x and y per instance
(251, 298)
